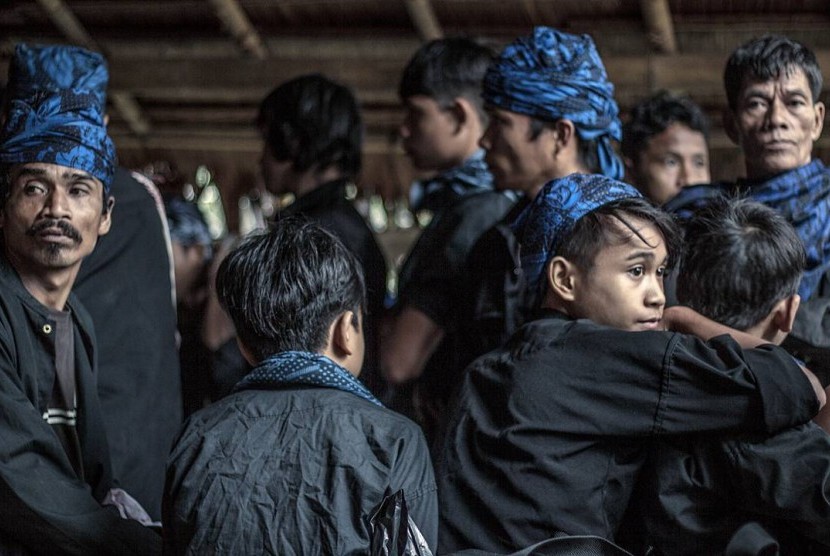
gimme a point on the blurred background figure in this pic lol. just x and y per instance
(665, 146)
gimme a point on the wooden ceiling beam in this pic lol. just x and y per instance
(657, 17)
(68, 24)
(236, 20)
(130, 111)
(424, 19)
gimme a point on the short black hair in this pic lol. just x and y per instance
(653, 115)
(767, 58)
(444, 69)
(741, 259)
(601, 228)
(186, 223)
(313, 121)
(285, 287)
(586, 149)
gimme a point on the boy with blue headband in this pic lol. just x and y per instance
(551, 429)
(56, 169)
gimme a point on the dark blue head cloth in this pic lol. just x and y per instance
(553, 75)
(554, 213)
(56, 102)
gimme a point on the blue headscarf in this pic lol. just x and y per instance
(553, 75)
(554, 213)
(56, 104)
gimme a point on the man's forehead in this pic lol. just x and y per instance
(791, 78)
(51, 170)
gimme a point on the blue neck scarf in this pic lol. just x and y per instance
(293, 368)
(552, 75)
(437, 193)
(802, 196)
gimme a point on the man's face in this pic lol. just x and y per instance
(52, 217)
(776, 122)
(670, 161)
(516, 161)
(428, 132)
(624, 289)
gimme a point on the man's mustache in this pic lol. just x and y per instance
(65, 227)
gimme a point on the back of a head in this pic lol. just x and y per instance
(284, 288)
(766, 58)
(187, 224)
(314, 123)
(654, 115)
(444, 69)
(741, 259)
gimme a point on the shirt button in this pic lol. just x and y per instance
(47, 328)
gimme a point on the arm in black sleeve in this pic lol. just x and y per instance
(413, 473)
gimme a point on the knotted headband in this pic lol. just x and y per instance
(552, 75)
(55, 111)
(554, 213)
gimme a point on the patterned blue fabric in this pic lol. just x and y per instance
(553, 75)
(291, 368)
(693, 198)
(555, 211)
(803, 197)
(57, 100)
(473, 176)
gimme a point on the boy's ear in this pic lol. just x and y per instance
(343, 334)
(561, 276)
(462, 110)
(784, 313)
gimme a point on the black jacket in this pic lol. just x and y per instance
(44, 505)
(292, 471)
(551, 429)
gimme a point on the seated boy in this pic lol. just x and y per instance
(742, 267)
(552, 429)
(296, 459)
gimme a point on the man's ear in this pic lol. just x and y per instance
(730, 126)
(819, 120)
(561, 277)
(784, 313)
(565, 131)
(106, 216)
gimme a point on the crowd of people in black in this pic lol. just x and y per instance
(592, 346)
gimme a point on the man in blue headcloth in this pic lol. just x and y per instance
(56, 169)
(553, 427)
(552, 113)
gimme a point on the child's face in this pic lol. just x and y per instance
(624, 289)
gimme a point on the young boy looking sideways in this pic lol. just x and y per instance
(551, 429)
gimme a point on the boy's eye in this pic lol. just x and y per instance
(661, 271)
(636, 271)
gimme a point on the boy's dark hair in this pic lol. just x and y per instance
(444, 69)
(187, 225)
(741, 259)
(601, 227)
(656, 113)
(284, 288)
(767, 58)
(586, 148)
(313, 121)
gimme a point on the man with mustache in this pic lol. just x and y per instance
(56, 169)
(773, 85)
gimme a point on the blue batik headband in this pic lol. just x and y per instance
(554, 213)
(553, 75)
(56, 105)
